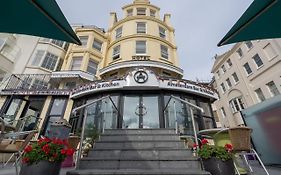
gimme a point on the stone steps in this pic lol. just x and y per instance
(154, 154)
(139, 151)
(139, 172)
(159, 144)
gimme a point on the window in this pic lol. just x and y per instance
(130, 12)
(258, 60)
(236, 104)
(164, 52)
(59, 65)
(223, 69)
(152, 13)
(269, 51)
(240, 52)
(223, 88)
(38, 57)
(259, 94)
(162, 32)
(235, 77)
(116, 52)
(273, 88)
(50, 61)
(141, 11)
(247, 68)
(76, 63)
(84, 40)
(70, 85)
(57, 42)
(140, 47)
(141, 27)
(118, 33)
(218, 73)
(92, 67)
(249, 44)
(223, 114)
(229, 63)
(228, 83)
(97, 44)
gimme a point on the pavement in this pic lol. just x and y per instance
(9, 170)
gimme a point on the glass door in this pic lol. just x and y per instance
(141, 112)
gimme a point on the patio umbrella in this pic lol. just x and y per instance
(36, 17)
(262, 20)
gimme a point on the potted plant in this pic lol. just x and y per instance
(44, 157)
(216, 159)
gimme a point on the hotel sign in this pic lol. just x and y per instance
(151, 80)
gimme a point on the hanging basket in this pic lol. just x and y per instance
(240, 138)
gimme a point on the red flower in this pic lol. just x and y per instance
(228, 147)
(70, 152)
(46, 149)
(204, 141)
(28, 149)
(195, 145)
(25, 160)
(63, 151)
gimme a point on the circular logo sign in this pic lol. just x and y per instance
(140, 76)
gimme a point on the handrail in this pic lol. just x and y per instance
(84, 122)
(191, 112)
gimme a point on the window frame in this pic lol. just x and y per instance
(273, 91)
(116, 55)
(165, 54)
(259, 94)
(72, 61)
(91, 67)
(249, 68)
(258, 60)
(235, 78)
(98, 42)
(161, 34)
(140, 29)
(145, 48)
(118, 32)
(141, 14)
(84, 44)
(249, 44)
(52, 58)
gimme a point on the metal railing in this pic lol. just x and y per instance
(99, 118)
(176, 112)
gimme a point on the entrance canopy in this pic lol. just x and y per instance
(36, 17)
(260, 21)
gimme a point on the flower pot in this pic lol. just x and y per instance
(218, 167)
(43, 168)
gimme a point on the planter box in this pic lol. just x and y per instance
(219, 167)
(41, 168)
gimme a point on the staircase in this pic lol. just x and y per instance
(139, 151)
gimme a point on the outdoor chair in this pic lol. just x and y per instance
(14, 147)
(240, 138)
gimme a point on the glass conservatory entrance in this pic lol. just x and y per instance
(140, 112)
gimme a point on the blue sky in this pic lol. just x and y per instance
(199, 25)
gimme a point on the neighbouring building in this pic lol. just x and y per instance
(247, 74)
(134, 62)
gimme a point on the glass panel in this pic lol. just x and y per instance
(130, 117)
(151, 112)
(110, 113)
(58, 107)
(13, 110)
(208, 123)
(177, 110)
